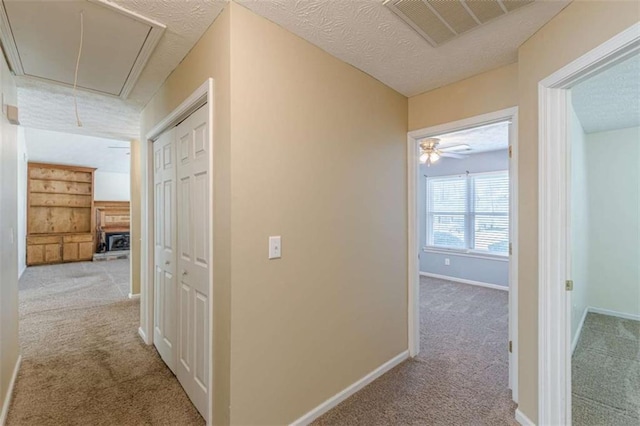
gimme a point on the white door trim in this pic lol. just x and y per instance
(201, 96)
(554, 303)
(413, 322)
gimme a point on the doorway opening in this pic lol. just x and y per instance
(463, 256)
(589, 296)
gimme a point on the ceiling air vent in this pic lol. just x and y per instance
(440, 21)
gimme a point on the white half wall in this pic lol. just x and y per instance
(112, 186)
(22, 201)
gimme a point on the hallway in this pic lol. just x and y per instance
(82, 359)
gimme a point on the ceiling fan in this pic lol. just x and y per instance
(430, 153)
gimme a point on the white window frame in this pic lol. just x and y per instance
(469, 217)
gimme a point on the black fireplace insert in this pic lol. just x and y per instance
(117, 241)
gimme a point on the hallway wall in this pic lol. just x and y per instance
(318, 157)
(9, 345)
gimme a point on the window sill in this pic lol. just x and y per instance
(466, 253)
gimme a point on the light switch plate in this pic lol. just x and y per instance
(275, 247)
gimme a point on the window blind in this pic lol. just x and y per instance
(469, 212)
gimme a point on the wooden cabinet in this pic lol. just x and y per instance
(43, 250)
(77, 247)
(60, 214)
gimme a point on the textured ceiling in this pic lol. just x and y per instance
(491, 137)
(45, 146)
(610, 100)
(48, 106)
(367, 35)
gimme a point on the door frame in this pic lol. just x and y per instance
(413, 275)
(554, 179)
(203, 95)
(414, 250)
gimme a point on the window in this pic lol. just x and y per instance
(469, 212)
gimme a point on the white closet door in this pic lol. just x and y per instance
(193, 257)
(164, 277)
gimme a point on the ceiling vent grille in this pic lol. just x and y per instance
(439, 21)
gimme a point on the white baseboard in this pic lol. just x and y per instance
(9, 395)
(463, 281)
(22, 271)
(143, 335)
(346, 393)
(134, 296)
(579, 331)
(614, 313)
(522, 419)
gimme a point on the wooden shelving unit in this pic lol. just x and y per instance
(60, 214)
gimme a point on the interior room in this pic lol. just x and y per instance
(272, 265)
(463, 204)
(106, 196)
(605, 246)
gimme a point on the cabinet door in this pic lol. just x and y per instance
(35, 254)
(70, 252)
(52, 253)
(85, 251)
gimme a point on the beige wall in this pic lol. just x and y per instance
(580, 27)
(487, 92)
(135, 205)
(209, 58)
(9, 345)
(318, 157)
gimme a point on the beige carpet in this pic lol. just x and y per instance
(606, 373)
(83, 362)
(460, 376)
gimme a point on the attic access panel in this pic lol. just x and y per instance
(41, 40)
(440, 21)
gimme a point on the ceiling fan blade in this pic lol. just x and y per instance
(461, 147)
(451, 155)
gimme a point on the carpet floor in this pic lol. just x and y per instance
(83, 362)
(606, 372)
(460, 376)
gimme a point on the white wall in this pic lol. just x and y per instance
(22, 201)
(613, 180)
(112, 186)
(9, 347)
(579, 224)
